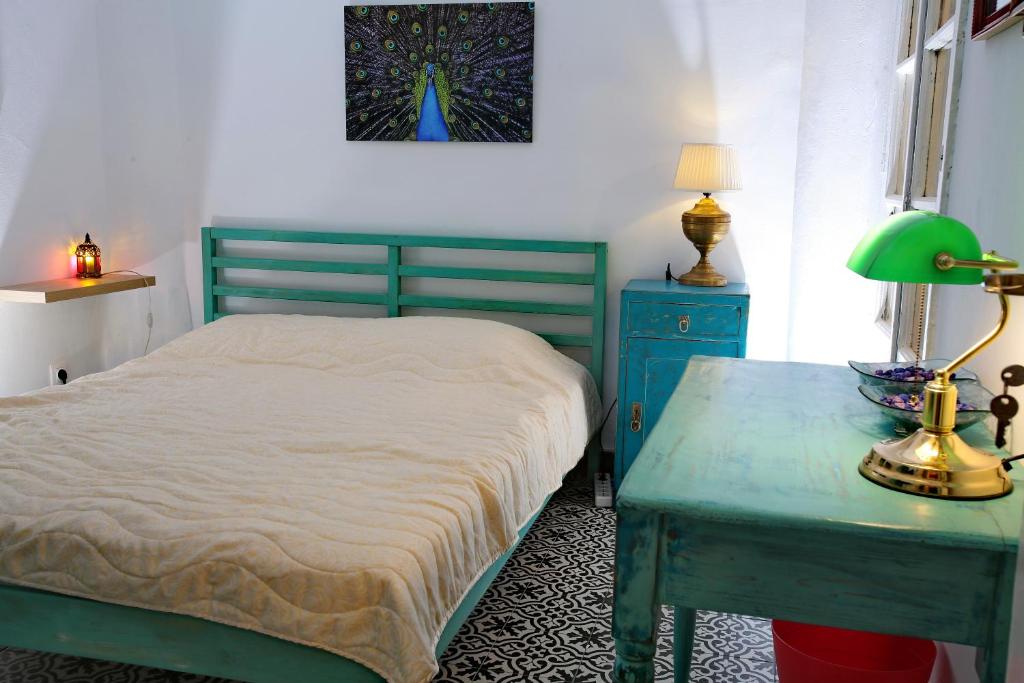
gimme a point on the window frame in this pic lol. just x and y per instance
(907, 307)
(987, 21)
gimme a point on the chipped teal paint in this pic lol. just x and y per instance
(48, 622)
(396, 272)
(746, 498)
(655, 345)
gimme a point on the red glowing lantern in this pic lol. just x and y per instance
(87, 258)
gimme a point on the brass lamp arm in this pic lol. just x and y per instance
(943, 374)
(990, 261)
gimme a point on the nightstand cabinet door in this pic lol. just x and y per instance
(655, 368)
(662, 325)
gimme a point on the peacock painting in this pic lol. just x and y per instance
(439, 73)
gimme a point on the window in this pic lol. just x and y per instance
(933, 104)
(993, 16)
(924, 106)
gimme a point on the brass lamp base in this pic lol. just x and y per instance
(937, 466)
(703, 275)
(705, 225)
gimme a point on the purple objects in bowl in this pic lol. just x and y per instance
(915, 402)
(909, 373)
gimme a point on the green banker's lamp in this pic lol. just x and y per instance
(925, 247)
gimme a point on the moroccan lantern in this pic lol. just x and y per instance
(87, 259)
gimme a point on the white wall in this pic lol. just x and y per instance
(987, 193)
(844, 106)
(143, 121)
(52, 185)
(87, 143)
(618, 89)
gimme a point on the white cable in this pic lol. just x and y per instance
(149, 297)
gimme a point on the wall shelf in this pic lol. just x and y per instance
(50, 291)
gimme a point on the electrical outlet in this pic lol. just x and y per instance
(58, 373)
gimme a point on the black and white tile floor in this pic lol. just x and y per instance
(547, 618)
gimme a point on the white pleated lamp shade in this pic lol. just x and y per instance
(708, 168)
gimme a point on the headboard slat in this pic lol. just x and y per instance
(292, 294)
(300, 266)
(498, 275)
(395, 271)
(467, 304)
(424, 241)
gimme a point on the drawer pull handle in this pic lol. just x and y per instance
(634, 423)
(684, 323)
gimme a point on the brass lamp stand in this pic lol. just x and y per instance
(706, 224)
(934, 461)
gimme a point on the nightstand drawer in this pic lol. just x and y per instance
(679, 321)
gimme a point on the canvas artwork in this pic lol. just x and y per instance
(439, 73)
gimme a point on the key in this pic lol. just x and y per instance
(1013, 376)
(1004, 407)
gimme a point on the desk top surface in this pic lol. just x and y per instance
(778, 444)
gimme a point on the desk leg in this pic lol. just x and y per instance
(991, 665)
(682, 648)
(990, 662)
(635, 615)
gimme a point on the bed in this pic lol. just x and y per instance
(297, 497)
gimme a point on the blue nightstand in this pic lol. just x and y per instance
(662, 324)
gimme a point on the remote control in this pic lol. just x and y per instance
(603, 490)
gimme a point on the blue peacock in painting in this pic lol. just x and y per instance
(452, 72)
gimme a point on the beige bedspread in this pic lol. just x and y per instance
(336, 482)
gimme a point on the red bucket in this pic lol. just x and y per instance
(819, 654)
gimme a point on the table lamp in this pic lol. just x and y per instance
(707, 169)
(925, 247)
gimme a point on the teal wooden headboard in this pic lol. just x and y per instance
(393, 298)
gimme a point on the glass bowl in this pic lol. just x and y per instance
(868, 376)
(968, 392)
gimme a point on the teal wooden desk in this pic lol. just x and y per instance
(746, 498)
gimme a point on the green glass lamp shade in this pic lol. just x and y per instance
(903, 249)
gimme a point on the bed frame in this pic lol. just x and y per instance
(50, 622)
(394, 299)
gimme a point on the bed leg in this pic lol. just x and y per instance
(593, 457)
(589, 465)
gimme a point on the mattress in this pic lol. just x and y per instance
(335, 482)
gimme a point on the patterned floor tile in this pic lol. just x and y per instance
(733, 670)
(477, 667)
(546, 619)
(736, 636)
(22, 666)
